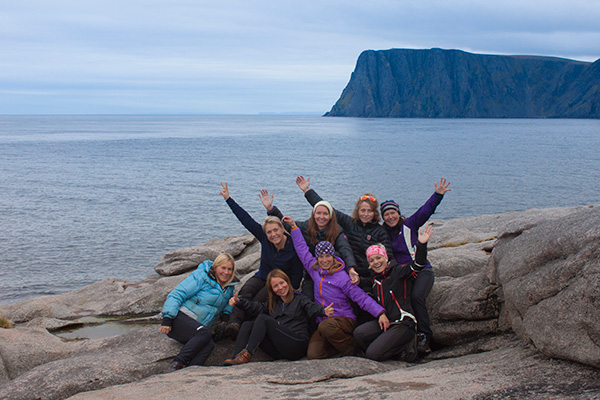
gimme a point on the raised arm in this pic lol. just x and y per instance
(249, 223)
(300, 245)
(426, 210)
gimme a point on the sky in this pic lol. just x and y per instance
(250, 57)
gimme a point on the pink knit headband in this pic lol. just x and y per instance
(376, 249)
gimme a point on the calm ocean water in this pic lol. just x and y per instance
(83, 198)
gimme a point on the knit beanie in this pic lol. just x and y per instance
(377, 249)
(389, 205)
(326, 204)
(324, 247)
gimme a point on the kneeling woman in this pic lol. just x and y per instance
(281, 328)
(333, 286)
(192, 307)
(392, 285)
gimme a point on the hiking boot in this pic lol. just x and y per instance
(231, 330)
(176, 365)
(423, 344)
(218, 331)
(411, 350)
(242, 357)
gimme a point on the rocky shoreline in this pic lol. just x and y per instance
(514, 312)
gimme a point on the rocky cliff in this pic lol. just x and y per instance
(436, 83)
(514, 312)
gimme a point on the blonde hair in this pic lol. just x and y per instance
(374, 204)
(222, 259)
(272, 220)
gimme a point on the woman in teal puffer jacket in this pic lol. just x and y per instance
(192, 307)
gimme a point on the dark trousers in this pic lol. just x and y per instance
(254, 289)
(380, 345)
(276, 340)
(421, 287)
(195, 337)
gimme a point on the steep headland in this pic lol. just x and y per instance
(436, 83)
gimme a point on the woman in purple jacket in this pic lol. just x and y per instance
(403, 232)
(333, 288)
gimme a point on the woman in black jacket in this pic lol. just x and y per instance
(392, 285)
(362, 228)
(281, 327)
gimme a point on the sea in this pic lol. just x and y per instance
(87, 197)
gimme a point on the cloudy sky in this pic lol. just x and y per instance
(249, 56)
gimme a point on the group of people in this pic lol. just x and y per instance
(363, 286)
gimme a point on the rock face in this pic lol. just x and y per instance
(521, 288)
(436, 83)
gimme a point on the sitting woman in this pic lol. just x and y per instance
(333, 286)
(322, 225)
(392, 285)
(362, 228)
(277, 252)
(192, 307)
(403, 237)
(281, 326)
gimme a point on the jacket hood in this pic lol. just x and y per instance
(340, 265)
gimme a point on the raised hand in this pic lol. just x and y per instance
(265, 199)
(225, 191)
(384, 322)
(329, 310)
(425, 234)
(442, 188)
(303, 184)
(234, 300)
(288, 220)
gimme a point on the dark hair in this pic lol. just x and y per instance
(332, 230)
(272, 299)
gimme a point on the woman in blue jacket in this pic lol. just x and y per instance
(192, 307)
(276, 252)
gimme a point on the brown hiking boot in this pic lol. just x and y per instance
(242, 357)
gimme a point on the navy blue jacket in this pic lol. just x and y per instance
(270, 258)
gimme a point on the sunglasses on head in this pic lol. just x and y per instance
(368, 198)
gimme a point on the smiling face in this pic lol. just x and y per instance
(391, 218)
(322, 217)
(224, 272)
(377, 263)
(365, 212)
(275, 234)
(280, 287)
(325, 261)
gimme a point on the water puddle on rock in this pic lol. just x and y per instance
(96, 328)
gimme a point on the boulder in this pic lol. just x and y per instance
(109, 297)
(94, 365)
(550, 276)
(187, 259)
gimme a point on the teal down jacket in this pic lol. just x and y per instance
(200, 294)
